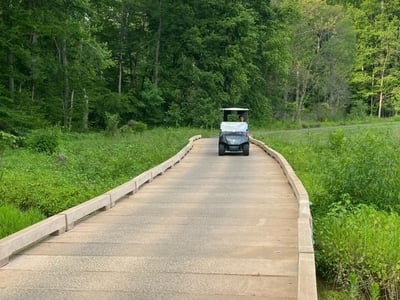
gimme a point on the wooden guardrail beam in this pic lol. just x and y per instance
(306, 278)
(32, 234)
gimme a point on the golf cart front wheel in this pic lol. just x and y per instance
(221, 149)
(246, 149)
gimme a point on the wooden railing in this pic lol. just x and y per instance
(306, 276)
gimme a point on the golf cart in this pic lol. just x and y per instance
(233, 135)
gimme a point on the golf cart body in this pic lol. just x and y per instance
(233, 135)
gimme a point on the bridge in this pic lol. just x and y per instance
(198, 226)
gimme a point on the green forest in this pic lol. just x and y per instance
(82, 64)
(81, 80)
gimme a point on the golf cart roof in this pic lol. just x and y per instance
(234, 109)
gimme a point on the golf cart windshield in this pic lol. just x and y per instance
(234, 127)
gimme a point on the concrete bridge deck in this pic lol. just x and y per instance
(211, 227)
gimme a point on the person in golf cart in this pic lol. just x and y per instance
(243, 119)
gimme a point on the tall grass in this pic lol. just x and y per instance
(81, 167)
(352, 176)
(12, 219)
(357, 248)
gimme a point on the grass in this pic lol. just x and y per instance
(12, 219)
(81, 167)
(352, 175)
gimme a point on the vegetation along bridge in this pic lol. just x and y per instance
(211, 227)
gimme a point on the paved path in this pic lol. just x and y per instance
(209, 228)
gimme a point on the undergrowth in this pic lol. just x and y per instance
(352, 175)
(79, 167)
(12, 219)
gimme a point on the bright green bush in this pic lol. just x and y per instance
(43, 141)
(357, 247)
(10, 140)
(12, 219)
(139, 126)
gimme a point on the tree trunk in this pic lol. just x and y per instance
(120, 74)
(71, 109)
(157, 55)
(381, 84)
(122, 42)
(298, 108)
(63, 60)
(33, 92)
(33, 71)
(301, 100)
(11, 79)
(301, 90)
(132, 71)
(85, 110)
(66, 82)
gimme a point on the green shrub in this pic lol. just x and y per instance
(10, 140)
(112, 122)
(139, 126)
(133, 126)
(357, 248)
(337, 140)
(360, 167)
(43, 141)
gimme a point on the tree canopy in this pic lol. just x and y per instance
(175, 63)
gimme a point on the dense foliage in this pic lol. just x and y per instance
(351, 174)
(37, 184)
(177, 62)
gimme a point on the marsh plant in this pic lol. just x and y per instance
(352, 176)
(357, 249)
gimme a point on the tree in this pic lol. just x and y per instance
(177, 62)
(53, 61)
(376, 74)
(210, 58)
(323, 50)
(133, 33)
(272, 60)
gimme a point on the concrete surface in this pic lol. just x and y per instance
(211, 227)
